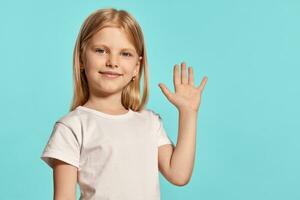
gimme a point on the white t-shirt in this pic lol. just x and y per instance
(116, 155)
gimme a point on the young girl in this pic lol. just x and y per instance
(108, 142)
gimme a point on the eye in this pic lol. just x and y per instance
(127, 54)
(100, 50)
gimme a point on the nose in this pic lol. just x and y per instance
(112, 61)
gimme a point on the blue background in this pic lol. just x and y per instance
(248, 131)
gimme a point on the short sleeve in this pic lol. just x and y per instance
(160, 130)
(62, 145)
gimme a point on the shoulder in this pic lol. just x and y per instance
(70, 120)
(151, 114)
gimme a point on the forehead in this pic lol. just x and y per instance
(113, 37)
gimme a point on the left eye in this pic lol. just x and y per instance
(126, 54)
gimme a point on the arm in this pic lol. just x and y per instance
(65, 180)
(176, 163)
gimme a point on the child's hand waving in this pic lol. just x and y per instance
(186, 96)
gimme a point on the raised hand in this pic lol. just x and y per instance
(186, 96)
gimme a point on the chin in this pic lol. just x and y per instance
(109, 90)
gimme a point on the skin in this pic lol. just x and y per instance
(176, 163)
(64, 180)
(106, 51)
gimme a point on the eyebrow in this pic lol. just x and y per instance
(97, 45)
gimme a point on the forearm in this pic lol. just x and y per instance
(58, 198)
(182, 160)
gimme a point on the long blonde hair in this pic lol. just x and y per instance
(97, 20)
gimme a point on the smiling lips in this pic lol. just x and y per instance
(110, 74)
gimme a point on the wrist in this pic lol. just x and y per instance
(187, 110)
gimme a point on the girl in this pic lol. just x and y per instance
(108, 142)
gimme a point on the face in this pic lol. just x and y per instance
(110, 51)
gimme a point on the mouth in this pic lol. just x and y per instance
(110, 74)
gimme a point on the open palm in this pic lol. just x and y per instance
(186, 95)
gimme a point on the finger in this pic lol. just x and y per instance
(176, 78)
(183, 73)
(191, 76)
(166, 91)
(202, 85)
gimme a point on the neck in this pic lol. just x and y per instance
(110, 104)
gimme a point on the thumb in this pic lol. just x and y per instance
(166, 91)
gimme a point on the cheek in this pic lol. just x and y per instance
(95, 61)
(128, 70)
(128, 66)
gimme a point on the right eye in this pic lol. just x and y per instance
(100, 50)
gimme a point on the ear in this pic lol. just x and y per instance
(138, 65)
(81, 67)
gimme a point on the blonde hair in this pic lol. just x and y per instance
(110, 17)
